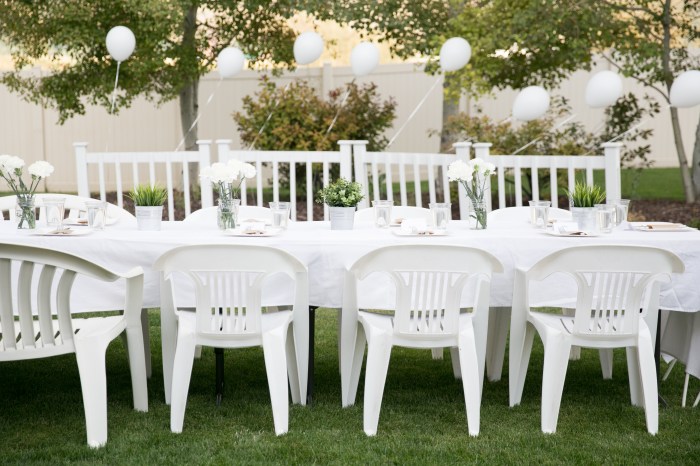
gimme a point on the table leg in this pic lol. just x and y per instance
(312, 339)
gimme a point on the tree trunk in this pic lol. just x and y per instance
(696, 162)
(682, 159)
(189, 94)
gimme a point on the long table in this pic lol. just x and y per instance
(327, 253)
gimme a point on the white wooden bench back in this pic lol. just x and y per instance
(152, 160)
(275, 159)
(406, 169)
(609, 162)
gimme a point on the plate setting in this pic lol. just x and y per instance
(660, 227)
(425, 233)
(253, 232)
(66, 231)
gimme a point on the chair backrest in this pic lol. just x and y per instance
(207, 216)
(609, 162)
(397, 212)
(228, 282)
(289, 160)
(378, 172)
(522, 214)
(613, 283)
(155, 163)
(429, 280)
(41, 291)
(73, 206)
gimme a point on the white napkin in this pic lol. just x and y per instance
(414, 225)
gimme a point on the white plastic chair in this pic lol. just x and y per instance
(38, 324)
(73, 206)
(228, 282)
(614, 283)
(429, 281)
(160, 165)
(274, 159)
(367, 215)
(245, 212)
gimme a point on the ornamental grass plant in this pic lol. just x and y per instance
(146, 195)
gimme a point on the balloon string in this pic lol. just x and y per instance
(342, 103)
(415, 110)
(558, 125)
(114, 92)
(505, 120)
(199, 115)
(267, 120)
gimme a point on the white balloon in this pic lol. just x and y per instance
(364, 58)
(531, 103)
(685, 90)
(454, 54)
(603, 89)
(120, 43)
(308, 46)
(230, 62)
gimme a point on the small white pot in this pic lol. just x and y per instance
(342, 218)
(584, 218)
(149, 217)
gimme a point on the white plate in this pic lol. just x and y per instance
(66, 232)
(573, 234)
(256, 220)
(660, 227)
(424, 234)
(250, 234)
(84, 222)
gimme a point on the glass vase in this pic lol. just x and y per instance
(227, 213)
(25, 212)
(479, 214)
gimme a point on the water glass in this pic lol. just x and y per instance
(605, 217)
(442, 214)
(280, 214)
(621, 209)
(96, 214)
(54, 211)
(382, 213)
(539, 213)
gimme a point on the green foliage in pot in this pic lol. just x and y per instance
(150, 196)
(584, 195)
(341, 193)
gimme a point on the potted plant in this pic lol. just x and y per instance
(148, 205)
(583, 199)
(342, 197)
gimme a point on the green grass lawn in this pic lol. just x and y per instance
(422, 420)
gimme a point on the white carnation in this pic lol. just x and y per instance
(10, 163)
(248, 170)
(40, 169)
(459, 171)
(218, 173)
(482, 167)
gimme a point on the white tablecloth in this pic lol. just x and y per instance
(326, 253)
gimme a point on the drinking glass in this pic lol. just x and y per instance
(280, 214)
(442, 214)
(96, 214)
(605, 217)
(382, 213)
(539, 213)
(621, 209)
(54, 211)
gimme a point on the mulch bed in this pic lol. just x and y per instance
(665, 211)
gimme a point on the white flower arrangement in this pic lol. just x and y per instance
(11, 171)
(473, 175)
(230, 172)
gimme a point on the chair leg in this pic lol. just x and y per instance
(292, 370)
(606, 362)
(456, 366)
(556, 360)
(437, 353)
(182, 373)
(312, 345)
(198, 352)
(358, 356)
(219, 380)
(470, 381)
(669, 369)
(90, 355)
(647, 372)
(276, 368)
(634, 376)
(378, 354)
(146, 334)
(524, 362)
(138, 368)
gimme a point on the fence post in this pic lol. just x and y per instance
(80, 149)
(359, 151)
(482, 150)
(346, 159)
(205, 161)
(613, 177)
(462, 150)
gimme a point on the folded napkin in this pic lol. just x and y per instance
(660, 226)
(253, 228)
